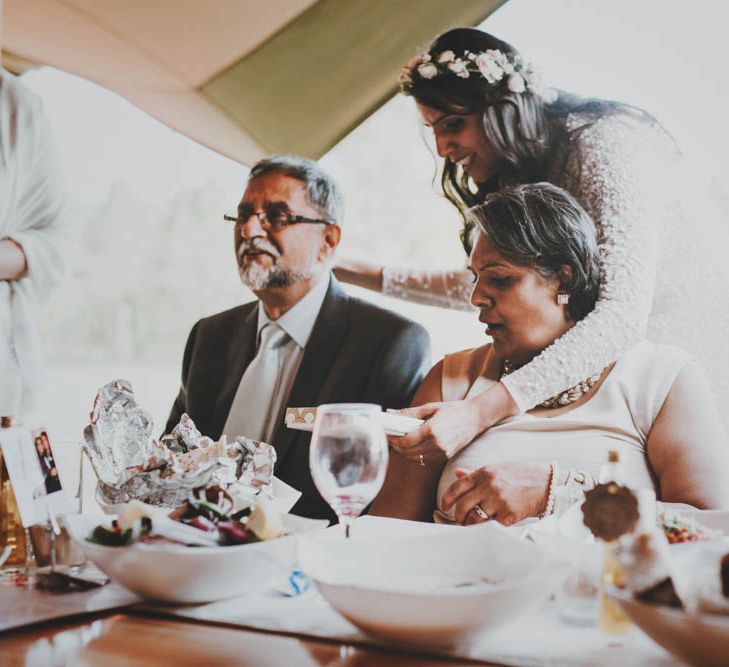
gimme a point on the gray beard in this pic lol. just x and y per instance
(258, 278)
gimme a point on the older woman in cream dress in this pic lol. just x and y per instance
(536, 270)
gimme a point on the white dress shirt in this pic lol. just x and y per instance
(298, 323)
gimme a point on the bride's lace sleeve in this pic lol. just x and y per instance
(615, 171)
(447, 289)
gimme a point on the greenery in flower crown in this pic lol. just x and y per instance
(494, 66)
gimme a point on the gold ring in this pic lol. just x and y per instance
(422, 460)
(479, 511)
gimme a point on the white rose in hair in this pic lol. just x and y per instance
(459, 68)
(427, 70)
(535, 82)
(506, 64)
(502, 60)
(489, 68)
(446, 57)
(516, 83)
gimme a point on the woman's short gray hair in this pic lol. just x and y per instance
(322, 192)
(543, 227)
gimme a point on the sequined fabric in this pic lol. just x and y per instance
(665, 276)
(447, 289)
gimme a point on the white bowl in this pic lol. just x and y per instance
(699, 639)
(181, 574)
(407, 590)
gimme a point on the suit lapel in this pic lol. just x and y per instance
(241, 352)
(319, 356)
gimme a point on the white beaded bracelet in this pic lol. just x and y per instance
(553, 474)
(580, 479)
(572, 490)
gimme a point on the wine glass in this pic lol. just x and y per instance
(348, 457)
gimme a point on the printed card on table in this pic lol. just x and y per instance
(302, 419)
(33, 474)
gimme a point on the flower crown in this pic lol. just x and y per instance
(495, 66)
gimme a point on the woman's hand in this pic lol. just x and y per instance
(507, 492)
(13, 264)
(449, 427)
(452, 425)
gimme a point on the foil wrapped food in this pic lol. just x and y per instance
(131, 465)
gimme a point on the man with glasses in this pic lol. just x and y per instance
(305, 341)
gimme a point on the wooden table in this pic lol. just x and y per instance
(135, 639)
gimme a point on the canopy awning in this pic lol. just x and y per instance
(244, 77)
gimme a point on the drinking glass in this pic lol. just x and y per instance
(348, 457)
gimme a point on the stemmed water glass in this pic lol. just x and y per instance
(348, 457)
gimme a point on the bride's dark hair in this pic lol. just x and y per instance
(522, 128)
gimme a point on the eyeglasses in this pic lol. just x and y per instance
(274, 219)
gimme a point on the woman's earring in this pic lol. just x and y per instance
(563, 298)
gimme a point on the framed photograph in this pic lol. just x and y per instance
(47, 462)
(34, 475)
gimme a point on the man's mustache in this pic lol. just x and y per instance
(258, 245)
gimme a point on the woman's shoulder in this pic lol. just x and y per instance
(616, 154)
(646, 355)
(462, 369)
(617, 130)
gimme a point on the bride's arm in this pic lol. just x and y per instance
(621, 185)
(360, 273)
(431, 287)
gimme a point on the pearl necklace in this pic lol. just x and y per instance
(566, 397)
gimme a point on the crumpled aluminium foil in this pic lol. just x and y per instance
(255, 468)
(131, 465)
(169, 486)
(185, 436)
(119, 435)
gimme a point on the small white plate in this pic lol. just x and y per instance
(714, 519)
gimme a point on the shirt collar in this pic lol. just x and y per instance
(299, 320)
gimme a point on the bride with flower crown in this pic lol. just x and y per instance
(664, 275)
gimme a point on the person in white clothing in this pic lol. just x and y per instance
(662, 251)
(536, 268)
(35, 240)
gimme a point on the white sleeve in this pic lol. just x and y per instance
(618, 181)
(41, 226)
(34, 216)
(446, 289)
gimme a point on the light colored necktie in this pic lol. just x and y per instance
(250, 411)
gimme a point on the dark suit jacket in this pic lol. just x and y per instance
(357, 352)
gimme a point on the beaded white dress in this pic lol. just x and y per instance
(663, 253)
